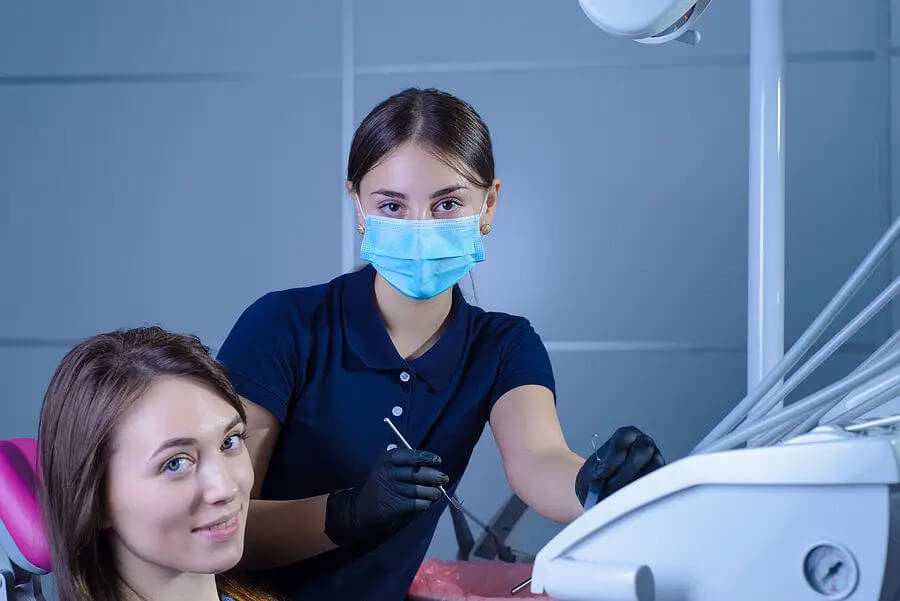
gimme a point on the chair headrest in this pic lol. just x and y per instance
(22, 534)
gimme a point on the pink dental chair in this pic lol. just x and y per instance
(24, 552)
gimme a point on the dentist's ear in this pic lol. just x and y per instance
(360, 216)
(490, 205)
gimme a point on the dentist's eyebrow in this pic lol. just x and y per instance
(447, 190)
(391, 194)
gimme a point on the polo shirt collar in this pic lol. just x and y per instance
(368, 338)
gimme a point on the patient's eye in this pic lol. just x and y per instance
(234, 442)
(177, 464)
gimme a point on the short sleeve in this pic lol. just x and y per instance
(261, 354)
(524, 361)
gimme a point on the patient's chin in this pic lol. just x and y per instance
(221, 560)
(221, 564)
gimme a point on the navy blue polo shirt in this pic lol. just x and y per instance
(321, 360)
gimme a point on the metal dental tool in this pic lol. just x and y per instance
(503, 552)
(399, 436)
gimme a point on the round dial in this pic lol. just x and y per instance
(831, 571)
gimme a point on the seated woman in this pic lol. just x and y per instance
(146, 477)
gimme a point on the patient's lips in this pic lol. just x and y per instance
(222, 529)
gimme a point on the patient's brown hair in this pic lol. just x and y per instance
(96, 383)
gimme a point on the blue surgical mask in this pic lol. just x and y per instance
(422, 258)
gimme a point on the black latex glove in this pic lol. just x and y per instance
(628, 455)
(401, 485)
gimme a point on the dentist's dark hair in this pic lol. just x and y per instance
(93, 388)
(447, 126)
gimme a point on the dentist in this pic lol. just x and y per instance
(339, 512)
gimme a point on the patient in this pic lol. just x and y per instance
(146, 477)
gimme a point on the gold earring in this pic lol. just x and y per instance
(486, 229)
(360, 229)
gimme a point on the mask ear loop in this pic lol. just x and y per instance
(359, 227)
(485, 228)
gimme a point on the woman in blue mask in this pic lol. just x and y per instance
(339, 511)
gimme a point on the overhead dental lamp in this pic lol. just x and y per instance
(647, 21)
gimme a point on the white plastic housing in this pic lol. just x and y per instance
(740, 525)
(646, 21)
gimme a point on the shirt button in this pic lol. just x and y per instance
(404, 377)
(397, 411)
(391, 447)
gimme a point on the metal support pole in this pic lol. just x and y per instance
(765, 319)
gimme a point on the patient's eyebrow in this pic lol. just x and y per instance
(185, 441)
(174, 442)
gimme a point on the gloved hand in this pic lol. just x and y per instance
(625, 457)
(401, 485)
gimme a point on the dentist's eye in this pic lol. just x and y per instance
(448, 205)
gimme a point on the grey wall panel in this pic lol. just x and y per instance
(170, 204)
(98, 36)
(834, 214)
(24, 376)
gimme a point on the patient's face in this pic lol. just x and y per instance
(179, 480)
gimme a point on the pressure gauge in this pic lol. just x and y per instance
(831, 571)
